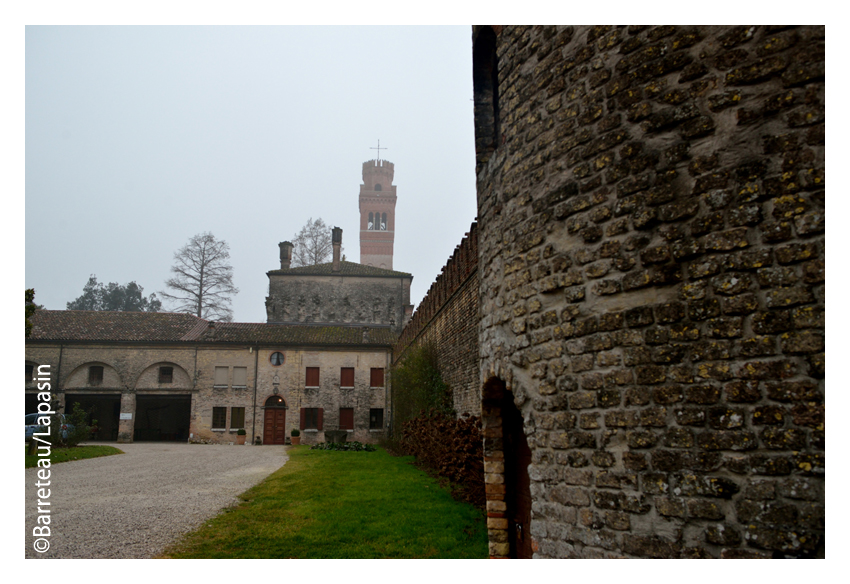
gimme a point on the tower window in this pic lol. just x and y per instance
(485, 81)
(371, 225)
(378, 187)
(384, 222)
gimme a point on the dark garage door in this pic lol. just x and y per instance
(162, 417)
(100, 408)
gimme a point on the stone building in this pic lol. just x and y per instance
(320, 363)
(651, 266)
(338, 292)
(176, 377)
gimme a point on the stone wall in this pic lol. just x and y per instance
(338, 299)
(447, 317)
(651, 232)
(130, 370)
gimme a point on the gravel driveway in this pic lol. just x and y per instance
(133, 505)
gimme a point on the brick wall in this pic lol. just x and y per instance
(651, 231)
(448, 318)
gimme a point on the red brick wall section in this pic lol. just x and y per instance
(448, 317)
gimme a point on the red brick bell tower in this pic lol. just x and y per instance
(377, 214)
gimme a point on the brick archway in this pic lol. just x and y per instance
(506, 460)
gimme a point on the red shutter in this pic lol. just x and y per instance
(321, 417)
(346, 377)
(303, 418)
(377, 377)
(312, 377)
(346, 418)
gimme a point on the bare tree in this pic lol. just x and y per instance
(203, 281)
(312, 245)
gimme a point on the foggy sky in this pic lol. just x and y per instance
(138, 138)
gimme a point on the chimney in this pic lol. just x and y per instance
(337, 243)
(285, 254)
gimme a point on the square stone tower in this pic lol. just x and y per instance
(377, 214)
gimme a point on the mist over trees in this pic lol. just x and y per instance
(114, 296)
(312, 245)
(203, 279)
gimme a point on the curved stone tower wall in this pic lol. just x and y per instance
(651, 263)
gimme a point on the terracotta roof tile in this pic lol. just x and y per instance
(89, 325)
(85, 325)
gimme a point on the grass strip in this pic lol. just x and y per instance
(58, 455)
(326, 504)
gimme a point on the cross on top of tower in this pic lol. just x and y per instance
(378, 149)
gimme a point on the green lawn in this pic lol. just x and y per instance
(325, 504)
(58, 455)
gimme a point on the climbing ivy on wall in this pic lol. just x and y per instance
(417, 386)
(426, 426)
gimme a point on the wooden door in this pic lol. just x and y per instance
(274, 431)
(517, 483)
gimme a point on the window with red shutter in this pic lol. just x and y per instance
(312, 377)
(346, 377)
(377, 377)
(311, 418)
(346, 418)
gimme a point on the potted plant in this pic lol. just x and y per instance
(296, 436)
(240, 436)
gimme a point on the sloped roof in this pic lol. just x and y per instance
(105, 326)
(345, 269)
(94, 325)
(298, 334)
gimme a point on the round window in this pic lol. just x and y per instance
(277, 358)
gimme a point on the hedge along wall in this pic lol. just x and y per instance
(651, 230)
(448, 319)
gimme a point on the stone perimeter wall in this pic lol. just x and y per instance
(652, 287)
(448, 318)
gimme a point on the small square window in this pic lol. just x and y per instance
(95, 375)
(219, 418)
(166, 374)
(376, 378)
(237, 418)
(376, 419)
(312, 418)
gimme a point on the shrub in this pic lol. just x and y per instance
(451, 447)
(295, 432)
(75, 429)
(241, 432)
(425, 425)
(418, 386)
(345, 446)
